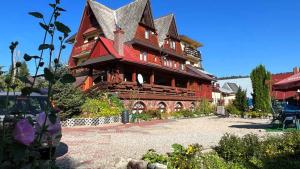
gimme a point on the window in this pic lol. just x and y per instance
(178, 107)
(182, 66)
(173, 44)
(147, 34)
(143, 56)
(162, 107)
(138, 108)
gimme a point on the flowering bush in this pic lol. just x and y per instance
(24, 135)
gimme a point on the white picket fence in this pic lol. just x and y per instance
(90, 121)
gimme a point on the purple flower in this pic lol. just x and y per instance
(51, 128)
(24, 132)
(41, 119)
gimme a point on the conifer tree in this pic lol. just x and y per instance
(260, 78)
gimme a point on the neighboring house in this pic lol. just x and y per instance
(226, 94)
(281, 95)
(126, 52)
(244, 82)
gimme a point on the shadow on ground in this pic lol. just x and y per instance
(251, 126)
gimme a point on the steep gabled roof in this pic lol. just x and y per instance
(163, 25)
(105, 17)
(129, 16)
(126, 17)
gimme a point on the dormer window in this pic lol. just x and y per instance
(147, 34)
(173, 45)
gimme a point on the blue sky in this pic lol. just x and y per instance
(237, 34)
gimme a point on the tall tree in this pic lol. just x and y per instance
(2, 79)
(240, 101)
(260, 78)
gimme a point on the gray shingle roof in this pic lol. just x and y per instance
(163, 25)
(126, 17)
(105, 17)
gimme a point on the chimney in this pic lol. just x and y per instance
(119, 41)
(296, 70)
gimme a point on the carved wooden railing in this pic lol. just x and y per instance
(83, 48)
(130, 90)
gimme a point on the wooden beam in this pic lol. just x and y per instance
(134, 75)
(173, 82)
(152, 78)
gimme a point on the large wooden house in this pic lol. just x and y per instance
(126, 52)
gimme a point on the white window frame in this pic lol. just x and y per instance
(173, 45)
(143, 56)
(147, 34)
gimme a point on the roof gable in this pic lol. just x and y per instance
(173, 29)
(105, 17)
(163, 26)
(128, 17)
(147, 18)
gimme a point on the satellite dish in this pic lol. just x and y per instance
(140, 79)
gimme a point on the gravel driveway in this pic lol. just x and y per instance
(102, 147)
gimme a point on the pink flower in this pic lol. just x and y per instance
(24, 132)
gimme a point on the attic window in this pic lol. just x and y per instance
(147, 34)
(173, 44)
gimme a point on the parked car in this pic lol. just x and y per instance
(31, 106)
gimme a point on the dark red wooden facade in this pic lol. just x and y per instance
(112, 65)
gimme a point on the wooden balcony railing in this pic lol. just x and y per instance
(83, 48)
(192, 52)
(130, 90)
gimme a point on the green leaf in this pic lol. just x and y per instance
(36, 14)
(44, 46)
(62, 27)
(46, 27)
(27, 57)
(60, 9)
(49, 76)
(53, 5)
(26, 91)
(68, 78)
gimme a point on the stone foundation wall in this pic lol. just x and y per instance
(154, 104)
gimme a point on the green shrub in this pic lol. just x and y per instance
(183, 113)
(104, 107)
(204, 107)
(187, 158)
(231, 148)
(153, 157)
(213, 161)
(141, 116)
(154, 114)
(231, 109)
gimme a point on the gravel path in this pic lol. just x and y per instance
(102, 147)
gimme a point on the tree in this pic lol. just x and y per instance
(240, 101)
(260, 78)
(2, 79)
(23, 70)
(68, 99)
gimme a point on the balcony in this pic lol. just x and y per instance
(130, 90)
(192, 52)
(83, 49)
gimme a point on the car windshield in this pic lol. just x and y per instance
(29, 105)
